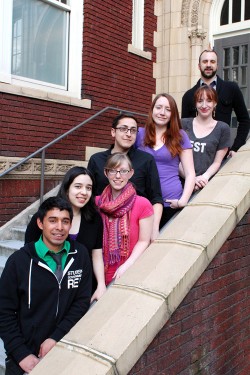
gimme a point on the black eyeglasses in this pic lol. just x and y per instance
(125, 129)
(114, 172)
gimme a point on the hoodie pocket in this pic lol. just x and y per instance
(35, 335)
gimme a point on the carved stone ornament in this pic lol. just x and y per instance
(195, 13)
(185, 12)
(196, 36)
(32, 168)
(190, 13)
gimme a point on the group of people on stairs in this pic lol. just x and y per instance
(105, 216)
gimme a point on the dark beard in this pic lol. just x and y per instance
(208, 76)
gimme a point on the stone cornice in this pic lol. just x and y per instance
(32, 168)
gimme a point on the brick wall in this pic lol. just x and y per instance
(209, 333)
(16, 195)
(111, 76)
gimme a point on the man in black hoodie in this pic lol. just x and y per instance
(45, 288)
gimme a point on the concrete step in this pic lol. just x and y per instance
(7, 247)
(18, 233)
(2, 263)
(2, 358)
(12, 239)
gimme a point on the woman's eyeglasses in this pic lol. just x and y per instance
(114, 172)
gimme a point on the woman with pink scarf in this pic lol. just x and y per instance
(127, 218)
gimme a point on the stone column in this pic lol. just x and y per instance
(196, 41)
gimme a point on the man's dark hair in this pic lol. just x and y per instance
(121, 116)
(54, 202)
(207, 50)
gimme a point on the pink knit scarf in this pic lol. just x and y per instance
(116, 220)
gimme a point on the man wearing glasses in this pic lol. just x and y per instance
(229, 94)
(145, 179)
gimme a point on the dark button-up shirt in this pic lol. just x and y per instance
(145, 178)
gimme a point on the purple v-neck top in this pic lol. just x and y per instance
(168, 167)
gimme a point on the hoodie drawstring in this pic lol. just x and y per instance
(29, 297)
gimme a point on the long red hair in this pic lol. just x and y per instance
(172, 136)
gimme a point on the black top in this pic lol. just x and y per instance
(230, 98)
(90, 232)
(145, 178)
(34, 306)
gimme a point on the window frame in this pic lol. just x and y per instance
(138, 24)
(221, 44)
(74, 60)
(137, 45)
(230, 29)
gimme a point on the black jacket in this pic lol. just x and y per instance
(34, 306)
(90, 235)
(230, 98)
(145, 177)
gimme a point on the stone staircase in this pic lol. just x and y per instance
(2, 358)
(7, 247)
(12, 235)
(12, 239)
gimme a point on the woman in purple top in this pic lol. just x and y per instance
(163, 138)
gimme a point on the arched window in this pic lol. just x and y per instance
(235, 11)
(228, 18)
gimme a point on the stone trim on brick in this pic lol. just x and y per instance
(44, 95)
(32, 168)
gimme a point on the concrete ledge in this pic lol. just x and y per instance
(89, 151)
(72, 363)
(145, 54)
(53, 167)
(63, 97)
(112, 336)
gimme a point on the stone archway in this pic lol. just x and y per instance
(195, 16)
(183, 29)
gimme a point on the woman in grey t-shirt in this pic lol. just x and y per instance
(210, 138)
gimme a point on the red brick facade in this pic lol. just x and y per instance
(111, 76)
(209, 333)
(18, 194)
